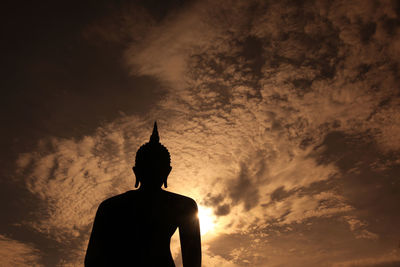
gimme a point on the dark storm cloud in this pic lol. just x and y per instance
(220, 209)
(211, 200)
(280, 194)
(244, 190)
(223, 210)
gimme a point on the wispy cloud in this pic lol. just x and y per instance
(15, 253)
(389, 259)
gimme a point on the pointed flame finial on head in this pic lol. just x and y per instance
(154, 138)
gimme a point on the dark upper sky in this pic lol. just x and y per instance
(282, 119)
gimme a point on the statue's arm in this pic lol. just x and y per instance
(97, 246)
(189, 232)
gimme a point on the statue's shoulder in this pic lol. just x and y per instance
(117, 199)
(181, 200)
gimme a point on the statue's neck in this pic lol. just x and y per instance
(150, 189)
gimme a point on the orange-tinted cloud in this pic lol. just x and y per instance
(15, 253)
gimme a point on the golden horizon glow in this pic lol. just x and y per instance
(206, 218)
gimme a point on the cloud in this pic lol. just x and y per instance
(244, 190)
(62, 178)
(263, 105)
(163, 51)
(15, 253)
(389, 260)
(358, 228)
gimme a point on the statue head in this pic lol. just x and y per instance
(152, 163)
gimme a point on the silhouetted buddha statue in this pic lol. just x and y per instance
(135, 228)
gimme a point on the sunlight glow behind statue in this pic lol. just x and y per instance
(135, 228)
(207, 220)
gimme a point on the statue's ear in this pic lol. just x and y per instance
(137, 182)
(166, 177)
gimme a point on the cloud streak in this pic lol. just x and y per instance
(15, 253)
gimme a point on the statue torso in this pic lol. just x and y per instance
(139, 226)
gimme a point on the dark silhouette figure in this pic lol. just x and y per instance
(135, 228)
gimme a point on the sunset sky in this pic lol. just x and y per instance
(282, 119)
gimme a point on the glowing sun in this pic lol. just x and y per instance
(207, 219)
